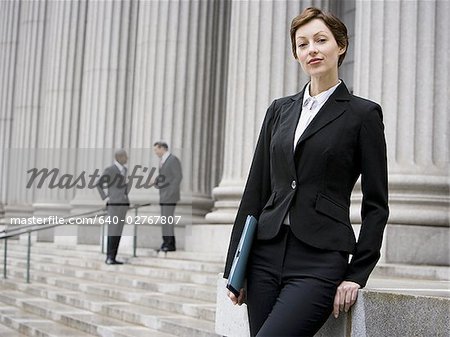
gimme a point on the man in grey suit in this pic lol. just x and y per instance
(170, 176)
(113, 188)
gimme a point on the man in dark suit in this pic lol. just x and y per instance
(169, 179)
(113, 188)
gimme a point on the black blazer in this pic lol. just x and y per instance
(170, 176)
(314, 183)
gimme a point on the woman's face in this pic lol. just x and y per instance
(317, 50)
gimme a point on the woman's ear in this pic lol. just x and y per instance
(342, 50)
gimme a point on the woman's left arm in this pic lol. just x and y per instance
(374, 210)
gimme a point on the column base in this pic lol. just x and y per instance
(212, 238)
(419, 245)
(18, 212)
(227, 202)
(88, 233)
(45, 210)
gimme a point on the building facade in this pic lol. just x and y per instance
(78, 77)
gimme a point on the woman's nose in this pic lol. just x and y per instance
(312, 49)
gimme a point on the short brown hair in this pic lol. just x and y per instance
(335, 25)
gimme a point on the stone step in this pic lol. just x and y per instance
(95, 261)
(8, 332)
(415, 287)
(195, 256)
(82, 320)
(198, 309)
(169, 294)
(185, 290)
(439, 273)
(382, 270)
(174, 260)
(131, 313)
(111, 279)
(173, 263)
(86, 296)
(17, 323)
(93, 250)
(186, 326)
(97, 280)
(81, 268)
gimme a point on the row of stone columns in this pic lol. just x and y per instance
(82, 78)
(200, 75)
(398, 63)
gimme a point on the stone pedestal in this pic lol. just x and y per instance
(394, 312)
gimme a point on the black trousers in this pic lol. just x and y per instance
(117, 215)
(291, 286)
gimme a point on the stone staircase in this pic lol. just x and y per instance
(74, 293)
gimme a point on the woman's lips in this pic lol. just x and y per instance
(314, 61)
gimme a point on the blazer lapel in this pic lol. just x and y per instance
(288, 123)
(331, 110)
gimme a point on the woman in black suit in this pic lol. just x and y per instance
(312, 148)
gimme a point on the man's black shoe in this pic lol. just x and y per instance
(168, 249)
(112, 261)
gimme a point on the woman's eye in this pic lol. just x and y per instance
(321, 40)
(302, 45)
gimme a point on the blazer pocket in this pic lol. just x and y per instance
(271, 201)
(332, 209)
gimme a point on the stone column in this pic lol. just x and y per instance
(60, 97)
(9, 30)
(107, 61)
(400, 63)
(178, 98)
(261, 68)
(26, 88)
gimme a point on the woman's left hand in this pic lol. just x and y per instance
(345, 297)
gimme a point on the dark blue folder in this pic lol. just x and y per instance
(239, 266)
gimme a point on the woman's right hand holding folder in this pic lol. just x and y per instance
(237, 300)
